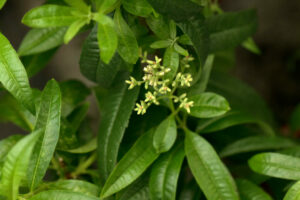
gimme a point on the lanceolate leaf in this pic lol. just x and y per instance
(208, 105)
(86, 148)
(158, 25)
(2, 2)
(116, 105)
(93, 68)
(171, 60)
(165, 173)
(256, 143)
(62, 194)
(128, 46)
(13, 75)
(6, 145)
(50, 16)
(16, 163)
(230, 29)
(137, 7)
(209, 171)
(107, 37)
(276, 165)
(41, 40)
(250, 191)
(74, 29)
(293, 193)
(165, 135)
(132, 165)
(48, 118)
(78, 186)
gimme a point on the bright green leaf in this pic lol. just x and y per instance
(180, 50)
(116, 105)
(137, 7)
(208, 105)
(48, 118)
(165, 135)
(104, 5)
(293, 193)
(171, 60)
(6, 145)
(276, 165)
(13, 75)
(79, 4)
(50, 16)
(107, 37)
(128, 46)
(41, 40)
(61, 195)
(2, 3)
(16, 164)
(256, 143)
(250, 45)
(86, 148)
(250, 191)
(165, 173)
(141, 155)
(209, 171)
(73, 29)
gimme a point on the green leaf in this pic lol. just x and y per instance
(104, 5)
(77, 186)
(256, 143)
(165, 135)
(276, 165)
(73, 29)
(141, 155)
(16, 164)
(35, 63)
(293, 193)
(116, 105)
(86, 148)
(13, 75)
(250, 45)
(228, 30)
(250, 191)
(137, 7)
(180, 50)
(165, 173)
(138, 190)
(231, 118)
(79, 4)
(184, 39)
(208, 170)
(13, 111)
(161, 44)
(50, 16)
(208, 105)
(73, 93)
(158, 26)
(48, 118)
(107, 37)
(6, 145)
(128, 46)
(61, 194)
(171, 60)
(41, 40)
(2, 3)
(93, 68)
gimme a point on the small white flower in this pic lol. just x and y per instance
(141, 108)
(132, 83)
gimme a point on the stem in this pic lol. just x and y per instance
(58, 168)
(81, 169)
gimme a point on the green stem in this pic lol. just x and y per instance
(81, 169)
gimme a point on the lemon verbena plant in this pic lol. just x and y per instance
(174, 124)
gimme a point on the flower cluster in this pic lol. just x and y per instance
(159, 87)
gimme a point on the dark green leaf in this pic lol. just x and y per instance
(165, 135)
(132, 165)
(161, 44)
(16, 164)
(165, 173)
(41, 40)
(116, 105)
(50, 16)
(137, 7)
(276, 165)
(77, 186)
(250, 45)
(128, 46)
(86, 148)
(256, 143)
(208, 170)
(208, 105)
(13, 75)
(293, 193)
(35, 63)
(250, 191)
(61, 195)
(295, 119)
(107, 37)
(171, 60)
(230, 29)
(48, 118)
(93, 68)
(159, 26)
(6, 145)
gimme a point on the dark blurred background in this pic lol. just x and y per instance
(275, 74)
